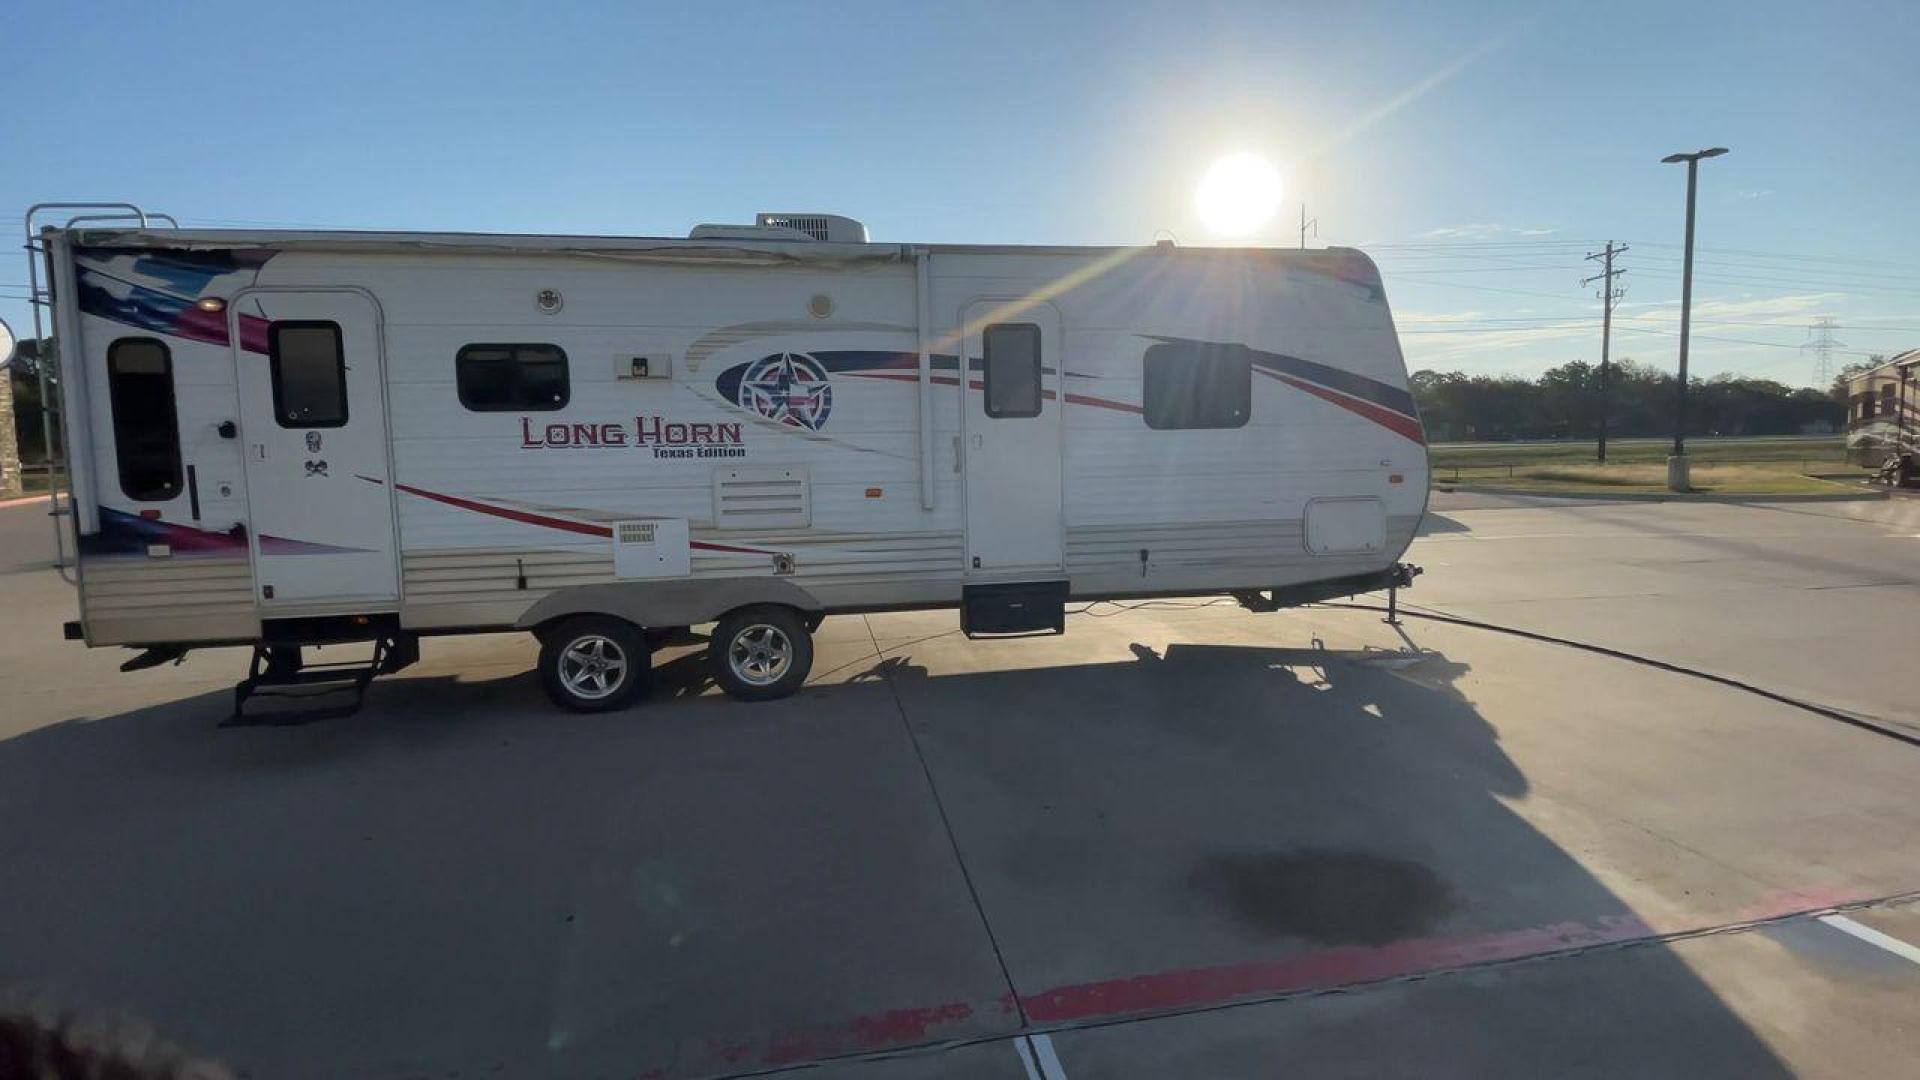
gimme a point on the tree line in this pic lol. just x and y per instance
(1565, 403)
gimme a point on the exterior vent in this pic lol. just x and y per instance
(829, 227)
(762, 499)
(651, 549)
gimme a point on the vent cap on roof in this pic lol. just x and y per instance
(829, 227)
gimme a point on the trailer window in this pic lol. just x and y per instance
(512, 378)
(1197, 386)
(1012, 363)
(309, 371)
(146, 429)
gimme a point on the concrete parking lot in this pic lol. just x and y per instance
(1181, 840)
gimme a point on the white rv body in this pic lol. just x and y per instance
(743, 421)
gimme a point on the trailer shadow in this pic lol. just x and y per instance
(1435, 523)
(1217, 823)
(461, 878)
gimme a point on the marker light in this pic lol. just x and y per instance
(211, 303)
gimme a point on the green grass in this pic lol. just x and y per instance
(1764, 478)
(1814, 454)
(33, 481)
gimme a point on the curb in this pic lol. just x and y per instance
(22, 500)
(1652, 496)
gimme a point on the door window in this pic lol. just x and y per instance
(309, 374)
(146, 430)
(1012, 362)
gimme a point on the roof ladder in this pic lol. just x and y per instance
(40, 300)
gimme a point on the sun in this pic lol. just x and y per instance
(1239, 194)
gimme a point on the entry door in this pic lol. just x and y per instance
(1012, 430)
(313, 427)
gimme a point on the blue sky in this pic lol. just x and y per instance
(1478, 150)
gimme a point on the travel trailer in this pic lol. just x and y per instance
(1881, 431)
(292, 438)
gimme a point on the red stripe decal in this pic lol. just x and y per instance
(585, 528)
(1397, 423)
(704, 546)
(1103, 403)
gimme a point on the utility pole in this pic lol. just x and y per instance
(1821, 342)
(1305, 225)
(1608, 294)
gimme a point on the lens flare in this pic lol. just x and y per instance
(1239, 194)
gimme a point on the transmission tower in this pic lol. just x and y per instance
(1821, 343)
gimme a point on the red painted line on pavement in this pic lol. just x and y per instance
(1198, 987)
(1189, 989)
(23, 500)
(874, 1031)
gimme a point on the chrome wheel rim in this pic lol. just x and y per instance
(593, 667)
(760, 654)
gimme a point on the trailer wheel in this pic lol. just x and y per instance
(594, 663)
(761, 653)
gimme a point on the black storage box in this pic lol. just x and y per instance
(1015, 607)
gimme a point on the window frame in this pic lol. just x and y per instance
(279, 386)
(1157, 355)
(115, 395)
(1039, 370)
(513, 349)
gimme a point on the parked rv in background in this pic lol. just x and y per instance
(1883, 404)
(290, 438)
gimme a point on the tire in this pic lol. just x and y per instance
(594, 663)
(761, 653)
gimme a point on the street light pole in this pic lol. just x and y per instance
(1678, 473)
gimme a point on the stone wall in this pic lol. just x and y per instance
(9, 440)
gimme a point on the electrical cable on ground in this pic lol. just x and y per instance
(1620, 654)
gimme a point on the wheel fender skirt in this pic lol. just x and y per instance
(669, 603)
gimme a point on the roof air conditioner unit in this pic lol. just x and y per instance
(829, 227)
(745, 232)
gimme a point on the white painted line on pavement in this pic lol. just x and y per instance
(1442, 538)
(1873, 937)
(1037, 1056)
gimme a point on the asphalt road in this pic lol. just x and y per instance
(1148, 848)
